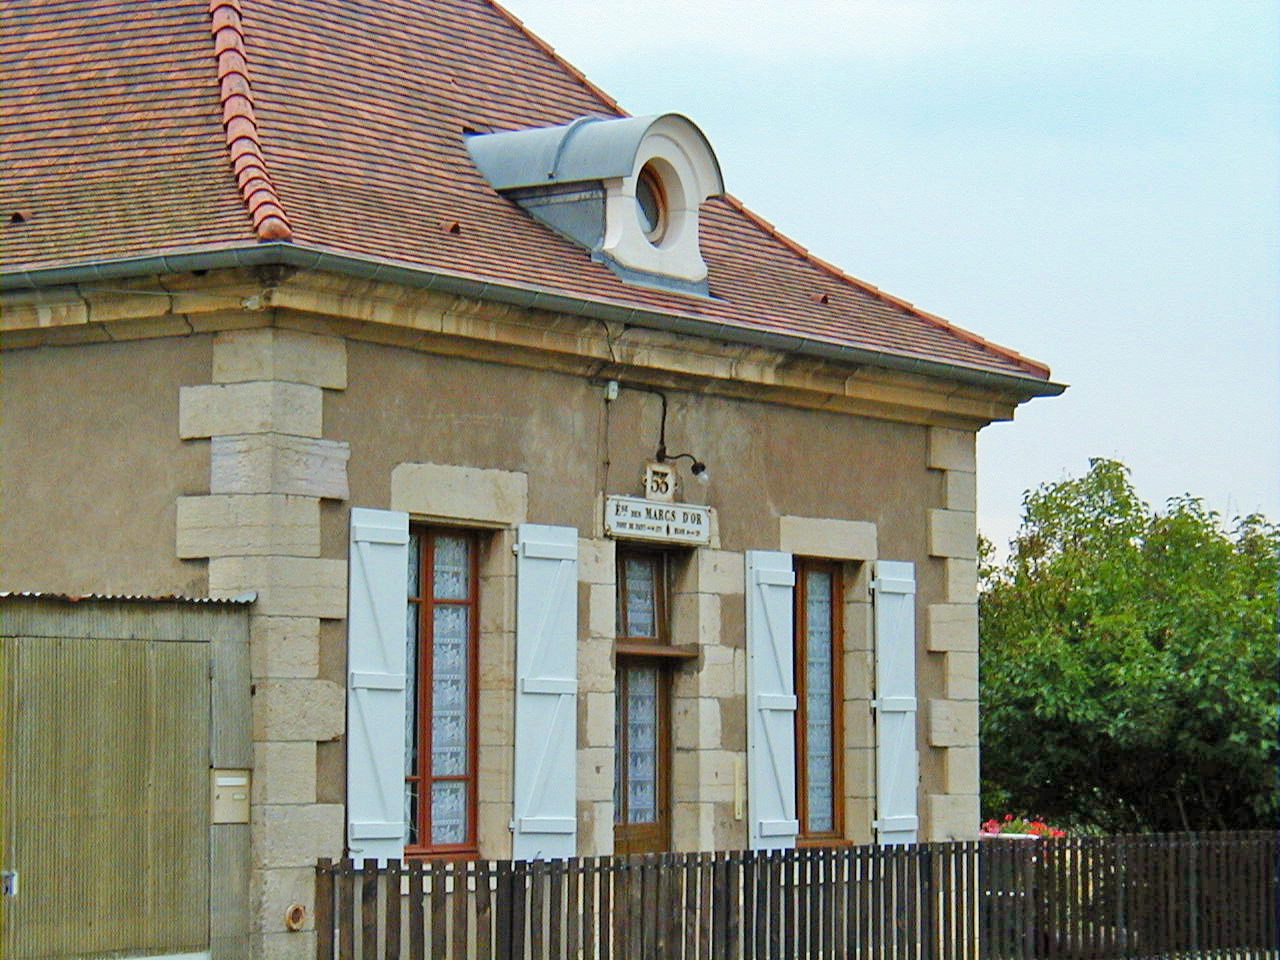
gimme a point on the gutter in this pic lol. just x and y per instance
(390, 271)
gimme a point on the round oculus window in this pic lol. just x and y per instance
(650, 205)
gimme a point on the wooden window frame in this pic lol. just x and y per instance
(804, 566)
(661, 645)
(425, 603)
(662, 612)
(657, 652)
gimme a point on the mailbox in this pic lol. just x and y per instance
(229, 796)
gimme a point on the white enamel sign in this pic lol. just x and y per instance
(634, 519)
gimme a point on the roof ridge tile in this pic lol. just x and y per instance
(244, 148)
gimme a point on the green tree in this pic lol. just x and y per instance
(1128, 662)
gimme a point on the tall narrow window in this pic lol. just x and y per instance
(440, 663)
(818, 699)
(642, 712)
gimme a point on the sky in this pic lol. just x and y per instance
(1093, 184)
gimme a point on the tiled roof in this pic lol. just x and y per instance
(347, 127)
(112, 132)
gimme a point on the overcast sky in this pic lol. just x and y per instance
(1093, 184)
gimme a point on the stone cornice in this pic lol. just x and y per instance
(458, 326)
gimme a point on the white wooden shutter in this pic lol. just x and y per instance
(377, 600)
(546, 818)
(771, 701)
(897, 761)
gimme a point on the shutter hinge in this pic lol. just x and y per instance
(8, 883)
(892, 585)
(895, 704)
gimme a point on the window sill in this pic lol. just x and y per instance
(822, 841)
(687, 651)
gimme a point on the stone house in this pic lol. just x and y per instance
(581, 510)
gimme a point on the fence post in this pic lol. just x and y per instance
(519, 870)
(369, 909)
(417, 931)
(391, 912)
(689, 922)
(484, 916)
(928, 913)
(345, 882)
(461, 871)
(502, 912)
(324, 909)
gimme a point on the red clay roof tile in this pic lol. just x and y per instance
(241, 124)
(137, 127)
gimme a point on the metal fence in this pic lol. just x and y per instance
(1167, 896)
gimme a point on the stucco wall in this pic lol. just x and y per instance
(765, 461)
(92, 466)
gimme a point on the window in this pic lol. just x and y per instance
(818, 699)
(642, 712)
(651, 205)
(642, 598)
(440, 714)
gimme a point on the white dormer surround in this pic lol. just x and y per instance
(626, 189)
(677, 156)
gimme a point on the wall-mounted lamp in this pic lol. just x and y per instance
(698, 468)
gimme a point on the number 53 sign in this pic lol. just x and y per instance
(659, 482)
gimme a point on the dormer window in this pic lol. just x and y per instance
(626, 189)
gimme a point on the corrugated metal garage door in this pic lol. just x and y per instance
(106, 807)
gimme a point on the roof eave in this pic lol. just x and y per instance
(377, 268)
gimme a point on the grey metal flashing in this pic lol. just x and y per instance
(185, 261)
(535, 298)
(587, 148)
(243, 599)
(575, 212)
(654, 281)
(563, 145)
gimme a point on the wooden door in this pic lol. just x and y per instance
(642, 764)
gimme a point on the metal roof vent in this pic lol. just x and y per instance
(627, 189)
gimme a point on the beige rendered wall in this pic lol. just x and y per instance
(401, 406)
(92, 466)
(767, 462)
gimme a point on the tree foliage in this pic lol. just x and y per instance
(1128, 662)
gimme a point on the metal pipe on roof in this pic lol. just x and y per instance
(379, 268)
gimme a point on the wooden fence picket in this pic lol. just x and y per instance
(1104, 898)
(345, 881)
